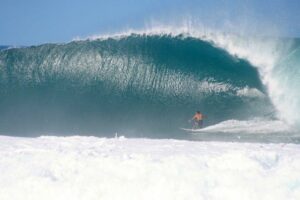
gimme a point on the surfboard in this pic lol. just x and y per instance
(190, 130)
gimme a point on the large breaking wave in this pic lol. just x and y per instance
(139, 85)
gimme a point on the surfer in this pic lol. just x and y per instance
(198, 120)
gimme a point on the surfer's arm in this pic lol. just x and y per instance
(190, 120)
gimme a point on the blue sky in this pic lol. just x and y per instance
(26, 22)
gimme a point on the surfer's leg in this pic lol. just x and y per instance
(200, 124)
(195, 124)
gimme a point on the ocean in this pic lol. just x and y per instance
(103, 118)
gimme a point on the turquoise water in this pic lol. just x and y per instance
(137, 85)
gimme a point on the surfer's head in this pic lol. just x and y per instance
(198, 112)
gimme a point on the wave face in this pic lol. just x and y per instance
(138, 85)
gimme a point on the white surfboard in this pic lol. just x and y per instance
(189, 130)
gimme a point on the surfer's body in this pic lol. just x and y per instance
(198, 120)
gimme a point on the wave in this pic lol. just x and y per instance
(276, 59)
(137, 83)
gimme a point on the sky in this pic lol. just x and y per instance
(42, 21)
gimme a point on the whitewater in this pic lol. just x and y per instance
(119, 168)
